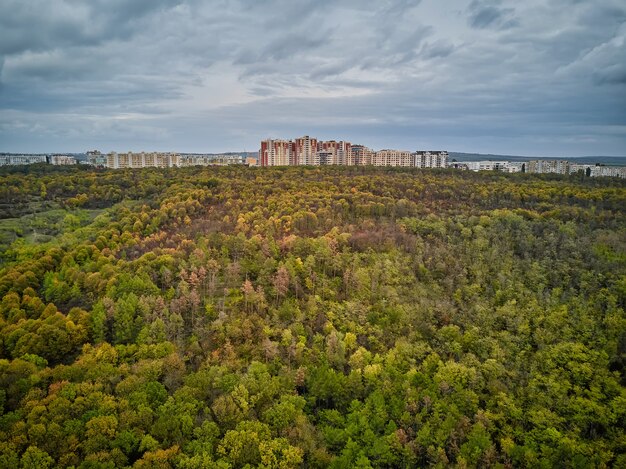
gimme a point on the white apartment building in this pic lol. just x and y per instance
(504, 166)
(62, 160)
(211, 160)
(430, 159)
(548, 166)
(11, 160)
(608, 171)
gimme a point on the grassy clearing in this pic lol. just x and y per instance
(44, 226)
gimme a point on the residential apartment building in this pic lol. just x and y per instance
(431, 159)
(326, 158)
(504, 166)
(97, 159)
(548, 166)
(575, 167)
(277, 153)
(11, 160)
(306, 151)
(194, 159)
(333, 152)
(344, 150)
(142, 160)
(360, 156)
(608, 171)
(393, 158)
(62, 160)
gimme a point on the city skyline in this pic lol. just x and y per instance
(542, 78)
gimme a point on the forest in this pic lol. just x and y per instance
(341, 317)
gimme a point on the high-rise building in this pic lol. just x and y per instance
(327, 152)
(276, 153)
(306, 151)
(360, 155)
(344, 150)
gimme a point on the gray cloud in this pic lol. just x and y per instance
(44, 25)
(489, 13)
(613, 75)
(484, 75)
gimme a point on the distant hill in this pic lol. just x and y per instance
(606, 160)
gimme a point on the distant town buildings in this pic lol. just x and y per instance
(431, 159)
(608, 171)
(62, 160)
(193, 159)
(11, 160)
(504, 166)
(393, 158)
(360, 156)
(170, 160)
(311, 152)
(543, 167)
(548, 166)
(97, 159)
(142, 160)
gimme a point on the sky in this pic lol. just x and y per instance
(536, 78)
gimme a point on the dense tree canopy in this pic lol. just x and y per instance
(311, 317)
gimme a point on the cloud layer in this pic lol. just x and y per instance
(536, 77)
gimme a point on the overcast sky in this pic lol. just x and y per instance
(533, 77)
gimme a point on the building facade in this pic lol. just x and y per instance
(306, 151)
(548, 166)
(608, 171)
(431, 159)
(277, 153)
(360, 155)
(62, 160)
(195, 159)
(11, 160)
(142, 160)
(393, 158)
